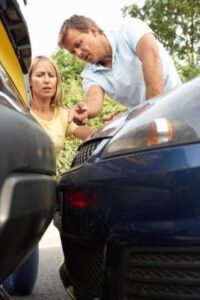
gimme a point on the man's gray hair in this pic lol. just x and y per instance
(80, 23)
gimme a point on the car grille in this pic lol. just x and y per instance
(169, 274)
(84, 263)
(84, 152)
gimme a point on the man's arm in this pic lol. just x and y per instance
(90, 107)
(83, 132)
(148, 53)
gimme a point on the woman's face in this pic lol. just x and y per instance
(43, 80)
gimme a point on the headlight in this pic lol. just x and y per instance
(168, 120)
(160, 132)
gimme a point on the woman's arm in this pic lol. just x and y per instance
(83, 132)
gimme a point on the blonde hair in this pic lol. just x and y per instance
(57, 99)
(80, 23)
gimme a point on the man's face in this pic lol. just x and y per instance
(85, 46)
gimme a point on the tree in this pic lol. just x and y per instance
(69, 65)
(177, 24)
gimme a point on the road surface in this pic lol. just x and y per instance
(48, 285)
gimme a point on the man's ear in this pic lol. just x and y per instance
(93, 30)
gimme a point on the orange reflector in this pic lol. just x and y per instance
(159, 131)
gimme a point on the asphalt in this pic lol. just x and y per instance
(48, 285)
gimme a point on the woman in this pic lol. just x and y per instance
(47, 104)
(47, 109)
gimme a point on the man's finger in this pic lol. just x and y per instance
(82, 122)
(111, 116)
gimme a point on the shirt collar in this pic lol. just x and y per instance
(112, 41)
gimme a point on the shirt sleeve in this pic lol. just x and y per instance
(70, 129)
(133, 29)
(87, 82)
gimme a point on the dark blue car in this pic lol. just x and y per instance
(130, 204)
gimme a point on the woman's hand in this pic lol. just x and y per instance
(79, 113)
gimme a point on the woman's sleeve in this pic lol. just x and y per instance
(70, 129)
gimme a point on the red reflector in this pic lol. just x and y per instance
(77, 203)
(82, 200)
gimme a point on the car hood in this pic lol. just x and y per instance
(112, 127)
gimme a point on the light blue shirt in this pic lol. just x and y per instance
(125, 82)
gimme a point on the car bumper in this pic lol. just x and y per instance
(153, 208)
(27, 204)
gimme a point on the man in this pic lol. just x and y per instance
(129, 64)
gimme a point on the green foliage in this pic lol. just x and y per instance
(67, 155)
(70, 67)
(188, 72)
(177, 24)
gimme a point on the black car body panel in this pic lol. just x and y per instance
(25, 214)
(28, 195)
(27, 183)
